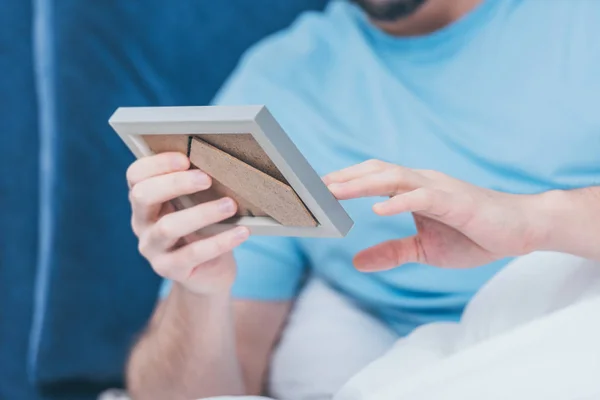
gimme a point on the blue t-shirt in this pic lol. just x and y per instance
(507, 98)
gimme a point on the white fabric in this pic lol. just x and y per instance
(327, 340)
(533, 332)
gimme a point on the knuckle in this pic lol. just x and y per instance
(224, 244)
(374, 163)
(143, 245)
(425, 193)
(164, 229)
(191, 254)
(470, 201)
(396, 179)
(221, 244)
(162, 265)
(183, 181)
(432, 173)
(137, 196)
(177, 180)
(131, 174)
(397, 173)
(427, 196)
(135, 227)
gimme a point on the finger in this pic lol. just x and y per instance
(155, 165)
(355, 171)
(170, 228)
(387, 183)
(181, 263)
(420, 200)
(148, 196)
(451, 209)
(390, 255)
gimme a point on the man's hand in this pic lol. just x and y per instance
(200, 342)
(459, 225)
(168, 239)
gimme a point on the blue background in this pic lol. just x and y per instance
(73, 290)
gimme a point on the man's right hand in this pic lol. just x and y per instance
(168, 238)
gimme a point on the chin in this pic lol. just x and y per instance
(389, 10)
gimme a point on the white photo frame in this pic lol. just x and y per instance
(134, 123)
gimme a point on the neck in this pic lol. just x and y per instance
(432, 16)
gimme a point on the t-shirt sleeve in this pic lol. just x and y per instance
(269, 269)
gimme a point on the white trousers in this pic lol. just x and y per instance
(533, 332)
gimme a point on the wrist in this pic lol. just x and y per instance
(550, 214)
(210, 298)
(194, 310)
(212, 281)
(536, 222)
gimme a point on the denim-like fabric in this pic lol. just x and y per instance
(90, 291)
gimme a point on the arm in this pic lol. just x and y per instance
(198, 343)
(189, 348)
(461, 225)
(570, 222)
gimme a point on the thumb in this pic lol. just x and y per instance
(390, 255)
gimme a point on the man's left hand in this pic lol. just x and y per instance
(459, 225)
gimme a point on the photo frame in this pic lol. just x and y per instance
(249, 157)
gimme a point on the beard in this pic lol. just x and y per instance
(389, 10)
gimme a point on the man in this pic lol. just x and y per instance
(501, 94)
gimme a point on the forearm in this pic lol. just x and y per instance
(571, 222)
(188, 351)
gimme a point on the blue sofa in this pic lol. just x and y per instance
(74, 292)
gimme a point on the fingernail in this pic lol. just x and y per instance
(201, 178)
(241, 233)
(226, 206)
